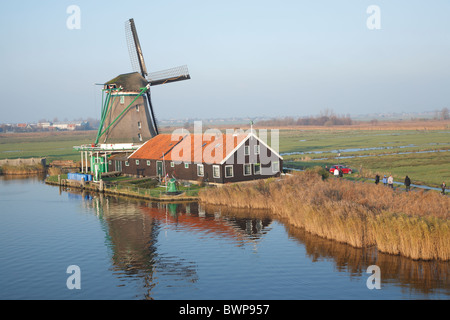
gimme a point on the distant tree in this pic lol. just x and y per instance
(445, 114)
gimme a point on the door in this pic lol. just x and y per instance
(159, 168)
(118, 165)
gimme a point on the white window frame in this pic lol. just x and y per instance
(122, 99)
(137, 108)
(127, 164)
(257, 149)
(246, 150)
(216, 167)
(202, 170)
(137, 162)
(172, 164)
(186, 165)
(148, 163)
(232, 171)
(254, 168)
(139, 125)
(250, 169)
(273, 166)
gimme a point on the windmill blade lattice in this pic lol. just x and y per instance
(134, 48)
(168, 75)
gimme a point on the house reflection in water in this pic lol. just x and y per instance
(132, 228)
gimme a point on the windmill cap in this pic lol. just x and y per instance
(129, 81)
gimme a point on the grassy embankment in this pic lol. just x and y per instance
(414, 224)
(138, 187)
(423, 155)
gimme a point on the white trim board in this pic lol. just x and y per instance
(243, 141)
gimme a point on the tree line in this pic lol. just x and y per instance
(326, 119)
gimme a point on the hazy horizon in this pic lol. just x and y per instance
(246, 59)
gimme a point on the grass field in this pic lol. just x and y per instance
(52, 145)
(423, 155)
(400, 149)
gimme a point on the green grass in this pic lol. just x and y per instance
(423, 168)
(148, 187)
(328, 141)
(55, 178)
(58, 146)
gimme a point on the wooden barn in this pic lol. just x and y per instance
(215, 158)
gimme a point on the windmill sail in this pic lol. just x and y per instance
(134, 48)
(138, 64)
(169, 75)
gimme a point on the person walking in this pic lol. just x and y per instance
(390, 181)
(407, 183)
(377, 179)
(443, 188)
(336, 172)
(385, 180)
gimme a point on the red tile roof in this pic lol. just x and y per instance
(195, 148)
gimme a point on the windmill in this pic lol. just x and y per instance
(127, 114)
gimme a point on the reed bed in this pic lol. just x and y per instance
(414, 224)
(22, 169)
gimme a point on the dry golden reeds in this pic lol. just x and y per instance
(22, 169)
(54, 171)
(414, 224)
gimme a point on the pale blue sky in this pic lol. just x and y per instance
(246, 58)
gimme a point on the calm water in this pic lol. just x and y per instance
(131, 249)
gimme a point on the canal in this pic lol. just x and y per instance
(132, 249)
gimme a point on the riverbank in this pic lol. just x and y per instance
(22, 169)
(128, 190)
(411, 224)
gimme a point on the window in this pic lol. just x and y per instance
(127, 163)
(122, 99)
(246, 150)
(186, 165)
(110, 162)
(257, 168)
(172, 164)
(216, 172)
(137, 108)
(247, 169)
(275, 166)
(137, 162)
(200, 170)
(140, 137)
(257, 149)
(139, 124)
(228, 171)
(148, 162)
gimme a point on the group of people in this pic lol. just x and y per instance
(389, 181)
